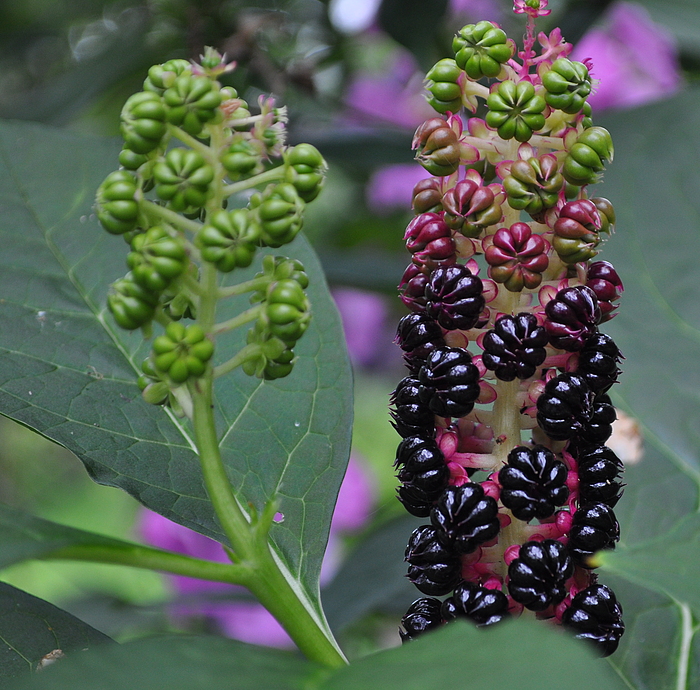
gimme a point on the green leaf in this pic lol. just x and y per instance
(176, 663)
(522, 654)
(31, 628)
(68, 372)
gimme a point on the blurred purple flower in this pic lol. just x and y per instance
(365, 317)
(249, 621)
(634, 59)
(391, 187)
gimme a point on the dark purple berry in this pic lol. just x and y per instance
(449, 382)
(565, 407)
(465, 517)
(599, 428)
(534, 483)
(515, 347)
(412, 288)
(481, 605)
(598, 471)
(594, 528)
(595, 615)
(572, 317)
(410, 416)
(418, 335)
(597, 362)
(454, 297)
(422, 615)
(537, 577)
(603, 279)
(433, 568)
(419, 453)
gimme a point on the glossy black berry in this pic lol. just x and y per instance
(594, 528)
(418, 335)
(434, 569)
(598, 472)
(423, 474)
(481, 605)
(534, 483)
(599, 428)
(572, 317)
(597, 362)
(454, 297)
(449, 382)
(595, 615)
(418, 454)
(537, 577)
(422, 615)
(410, 416)
(565, 407)
(464, 517)
(515, 347)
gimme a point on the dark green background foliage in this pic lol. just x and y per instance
(68, 373)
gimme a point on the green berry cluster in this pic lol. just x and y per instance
(204, 184)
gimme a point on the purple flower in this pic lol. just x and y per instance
(391, 186)
(634, 59)
(249, 621)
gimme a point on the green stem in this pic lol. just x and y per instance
(242, 288)
(244, 354)
(171, 217)
(193, 143)
(240, 320)
(268, 176)
(138, 556)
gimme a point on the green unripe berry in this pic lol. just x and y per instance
(157, 259)
(567, 85)
(279, 210)
(242, 159)
(587, 157)
(183, 179)
(192, 101)
(131, 305)
(443, 84)
(182, 352)
(115, 206)
(230, 239)
(307, 170)
(143, 122)
(162, 77)
(481, 49)
(515, 110)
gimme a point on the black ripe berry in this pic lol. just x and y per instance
(594, 528)
(536, 579)
(422, 615)
(598, 471)
(596, 616)
(454, 297)
(481, 605)
(565, 407)
(464, 517)
(449, 382)
(422, 472)
(418, 335)
(433, 568)
(515, 347)
(534, 483)
(410, 416)
(572, 317)
(597, 362)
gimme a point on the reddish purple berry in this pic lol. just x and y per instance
(603, 279)
(572, 317)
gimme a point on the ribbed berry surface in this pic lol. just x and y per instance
(572, 317)
(464, 517)
(482, 606)
(449, 382)
(594, 528)
(597, 362)
(537, 577)
(410, 416)
(434, 569)
(418, 335)
(603, 279)
(422, 615)
(595, 615)
(599, 428)
(565, 407)
(598, 472)
(515, 347)
(453, 297)
(534, 483)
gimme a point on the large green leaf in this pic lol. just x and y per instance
(175, 663)
(68, 372)
(31, 628)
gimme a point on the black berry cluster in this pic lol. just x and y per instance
(505, 413)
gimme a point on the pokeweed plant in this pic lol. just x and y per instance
(239, 425)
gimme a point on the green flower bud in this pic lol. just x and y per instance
(533, 184)
(182, 352)
(229, 239)
(143, 122)
(162, 77)
(115, 205)
(157, 259)
(192, 102)
(515, 110)
(444, 85)
(131, 304)
(183, 179)
(480, 49)
(587, 157)
(242, 158)
(307, 170)
(567, 85)
(279, 211)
